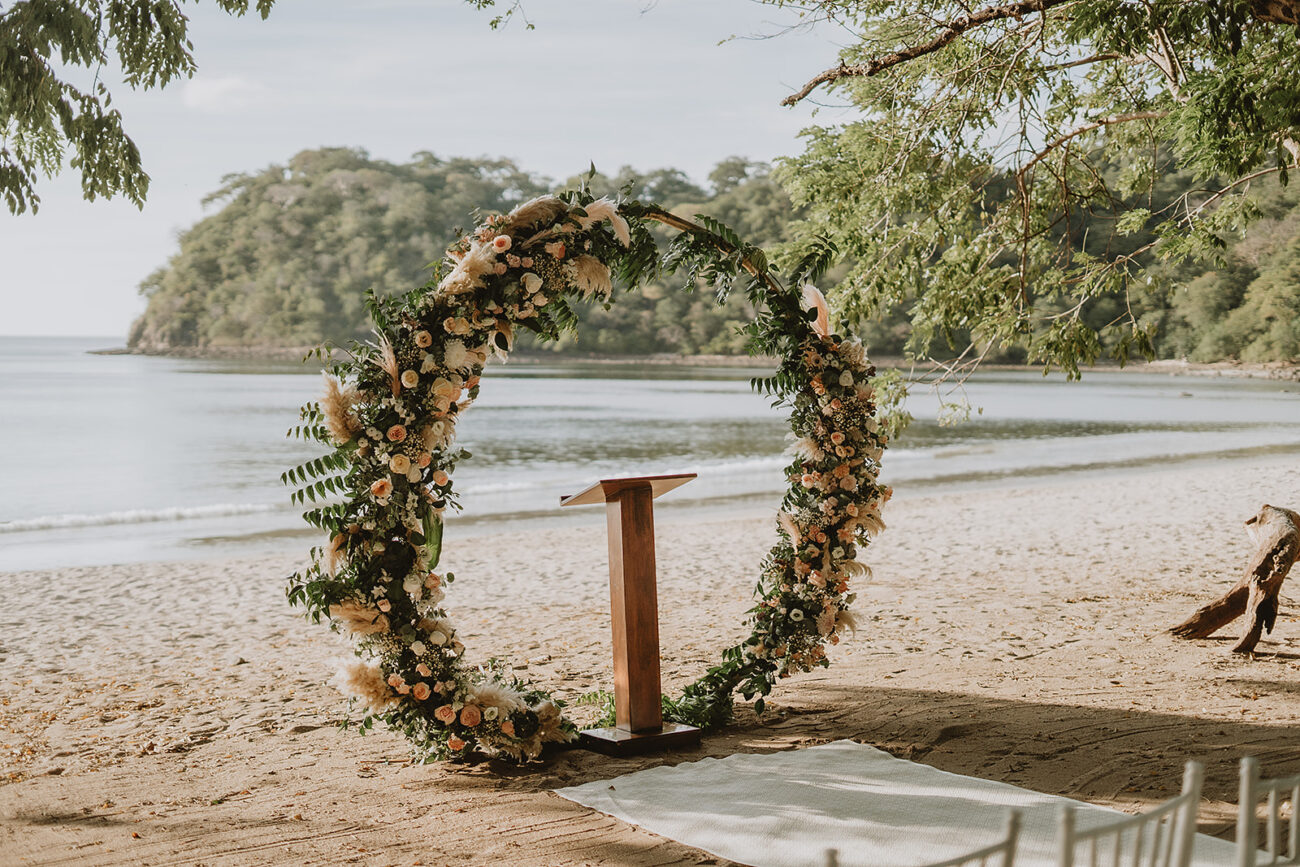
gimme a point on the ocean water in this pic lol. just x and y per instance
(120, 458)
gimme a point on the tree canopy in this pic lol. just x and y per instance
(290, 251)
(290, 254)
(46, 118)
(1018, 169)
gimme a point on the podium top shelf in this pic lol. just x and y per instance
(606, 489)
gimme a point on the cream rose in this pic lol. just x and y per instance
(400, 464)
(410, 379)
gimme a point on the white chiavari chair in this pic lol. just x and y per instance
(1281, 846)
(1160, 837)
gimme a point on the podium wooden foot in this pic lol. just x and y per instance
(617, 742)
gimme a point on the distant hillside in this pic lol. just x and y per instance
(287, 258)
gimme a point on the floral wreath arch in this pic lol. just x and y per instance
(390, 412)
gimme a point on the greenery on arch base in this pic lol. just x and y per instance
(390, 412)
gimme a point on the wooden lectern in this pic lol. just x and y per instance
(634, 609)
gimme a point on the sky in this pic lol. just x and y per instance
(610, 82)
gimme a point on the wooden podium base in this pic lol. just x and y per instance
(618, 742)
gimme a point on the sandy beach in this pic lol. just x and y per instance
(166, 713)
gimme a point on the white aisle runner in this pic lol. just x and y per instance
(785, 809)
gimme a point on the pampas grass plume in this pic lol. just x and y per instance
(591, 276)
(543, 209)
(366, 683)
(387, 362)
(337, 404)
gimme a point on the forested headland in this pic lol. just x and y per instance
(288, 253)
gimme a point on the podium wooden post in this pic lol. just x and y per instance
(634, 612)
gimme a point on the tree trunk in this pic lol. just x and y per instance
(1276, 11)
(1276, 533)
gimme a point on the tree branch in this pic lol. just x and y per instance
(948, 33)
(1083, 61)
(1193, 213)
(1087, 127)
(1276, 11)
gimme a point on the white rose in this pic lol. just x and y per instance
(412, 583)
(417, 647)
(413, 475)
(846, 379)
(437, 638)
(490, 713)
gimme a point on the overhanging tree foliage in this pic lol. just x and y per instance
(45, 117)
(1005, 178)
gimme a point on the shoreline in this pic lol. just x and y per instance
(177, 712)
(1275, 370)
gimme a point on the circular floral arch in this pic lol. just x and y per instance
(390, 412)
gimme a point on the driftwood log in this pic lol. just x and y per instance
(1276, 533)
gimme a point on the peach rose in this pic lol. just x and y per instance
(556, 249)
(470, 715)
(421, 691)
(396, 433)
(455, 743)
(423, 339)
(526, 261)
(445, 714)
(400, 464)
(384, 605)
(381, 489)
(837, 438)
(424, 460)
(439, 478)
(508, 728)
(395, 680)
(423, 670)
(501, 243)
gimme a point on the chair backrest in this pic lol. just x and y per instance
(1281, 827)
(1161, 837)
(1001, 853)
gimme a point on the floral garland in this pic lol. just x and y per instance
(390, 413)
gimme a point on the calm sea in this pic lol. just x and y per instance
(119, 458)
